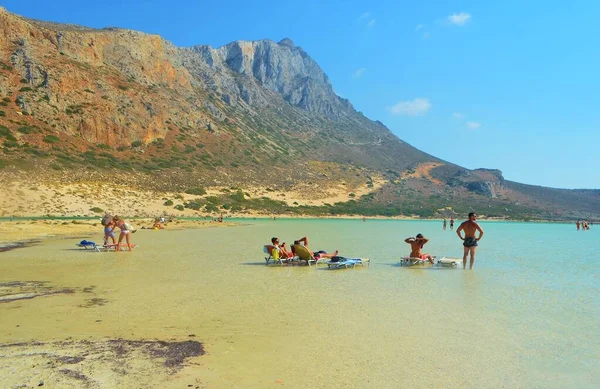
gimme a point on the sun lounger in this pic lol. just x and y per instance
(276, 260)
(412, 261)
(113, 247)
(449, 262)
(86, 244)
(344, 263)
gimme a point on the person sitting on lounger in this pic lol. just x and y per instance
(281, 248)
(416, 245)
(158, 224)
(300, 248)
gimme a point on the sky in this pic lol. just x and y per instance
(510, 85)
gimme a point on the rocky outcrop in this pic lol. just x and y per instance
(485, 182)
(279, 67)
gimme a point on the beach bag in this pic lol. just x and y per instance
(106, 219)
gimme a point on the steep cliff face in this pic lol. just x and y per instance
(279, 67)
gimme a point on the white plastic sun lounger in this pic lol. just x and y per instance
(412, 261)
(344, 263)
(449, 262)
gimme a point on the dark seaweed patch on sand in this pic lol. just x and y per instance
(94, 302)
(87, 364)
(173, 353)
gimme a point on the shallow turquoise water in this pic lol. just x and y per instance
(526, 316)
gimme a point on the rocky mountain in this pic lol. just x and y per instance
(80, 102)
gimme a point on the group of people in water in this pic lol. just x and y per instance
(471, 230)
(583, 225)
(299, 248)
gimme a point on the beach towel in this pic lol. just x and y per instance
(86, 243)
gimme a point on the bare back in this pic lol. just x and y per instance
(470, 228)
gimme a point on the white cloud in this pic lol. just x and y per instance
(458, 115)
(426, 35)
(419, 26)
(371, 23)
(459, 19)
(473, 125)
(359, 72)
(364, 16)
(416, 107)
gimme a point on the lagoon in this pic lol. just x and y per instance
(526, 316)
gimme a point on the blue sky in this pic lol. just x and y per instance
(511, 85)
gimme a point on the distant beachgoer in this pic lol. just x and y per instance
(470, 227)
(578, 224)
(126, 230)
(416, 244)
(158, 224)
(444, 224)
(300, 248)
(451, 223)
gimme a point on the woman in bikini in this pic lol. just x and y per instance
(126, 230)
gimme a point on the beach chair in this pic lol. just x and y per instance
(304, 255)
(113, 247)
(412, 261)
(449, 262)
(273, 256)
(86, 244)
(338, 262)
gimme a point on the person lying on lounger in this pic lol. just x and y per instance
(416, 245)
(281, 248)
(300, 248)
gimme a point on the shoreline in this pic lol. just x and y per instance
(23, 231)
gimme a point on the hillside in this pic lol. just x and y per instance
(119, 106)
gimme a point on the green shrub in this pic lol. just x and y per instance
(97, 210)
(137, 143)
(6, 99)
(6, 133)
(103, 146)
(2, 113)
(10, 144)
(198, 191)
(179, 207)
(123, 87)
(26, 130)
(25, 89)
(168, 203)
(51, 139)
(24, 81)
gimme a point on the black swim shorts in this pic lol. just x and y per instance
(470, 242)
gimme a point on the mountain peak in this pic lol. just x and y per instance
(286, 42)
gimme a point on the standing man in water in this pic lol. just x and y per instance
(469, 241)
